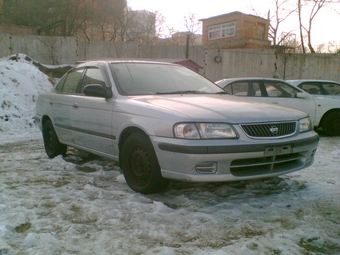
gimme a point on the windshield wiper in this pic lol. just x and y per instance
(181, 92)
(223, 92)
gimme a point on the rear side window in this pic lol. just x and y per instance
(244, 88)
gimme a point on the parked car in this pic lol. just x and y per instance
(324, 112)
(329, 89)
(162, 121)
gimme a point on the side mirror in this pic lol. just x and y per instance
(96, 90)
(301, 95)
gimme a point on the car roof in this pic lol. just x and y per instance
(299, 81)
(230, 80)
(113, 60)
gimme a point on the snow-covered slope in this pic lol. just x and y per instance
(20, 84)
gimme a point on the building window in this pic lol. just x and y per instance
(261, 30)
(224, 30)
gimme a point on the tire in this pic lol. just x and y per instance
(52, 145)
(140, 165)
(331, 123)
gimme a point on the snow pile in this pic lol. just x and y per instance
(20, 84)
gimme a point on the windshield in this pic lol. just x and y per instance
(152, 79)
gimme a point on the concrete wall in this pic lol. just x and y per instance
(17, 30)
(234, 62)
(97, 50)
(268, 63)
(51, 50)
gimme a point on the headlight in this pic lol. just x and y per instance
(204, 131)
(305, 125)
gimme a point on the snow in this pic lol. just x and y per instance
(81, 204)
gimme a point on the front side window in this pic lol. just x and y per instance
(92, 76)
(311, 88)
(279, 89)
(69, 83)
(224, 30)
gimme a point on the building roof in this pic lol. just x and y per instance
(232, 13)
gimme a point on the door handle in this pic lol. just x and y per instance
(75, 105)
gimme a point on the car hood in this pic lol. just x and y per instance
(219, 107)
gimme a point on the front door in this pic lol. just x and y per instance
(92, 117)
(282, 94)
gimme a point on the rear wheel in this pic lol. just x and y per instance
(140, 165)
(331, 123)
(52, 145)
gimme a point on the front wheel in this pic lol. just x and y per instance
(140, 165)
(331, 123)
(52, 145)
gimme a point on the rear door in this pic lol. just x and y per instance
(61, 104)
(246, 88)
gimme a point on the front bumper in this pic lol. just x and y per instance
(233, 159)
(37, 120)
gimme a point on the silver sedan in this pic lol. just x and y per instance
(163, 121)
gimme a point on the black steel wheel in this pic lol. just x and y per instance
(331, 123)
(140, 165)
(52, 145)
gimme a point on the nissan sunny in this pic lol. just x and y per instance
(164, 122)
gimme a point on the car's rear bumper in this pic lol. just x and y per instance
(227, 160)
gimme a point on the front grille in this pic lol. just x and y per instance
(267, 165)
(280, 129)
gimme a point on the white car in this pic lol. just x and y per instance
(324, 112)
(164, 121)
(328, 89)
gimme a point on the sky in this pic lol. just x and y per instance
(80, 204)
(175, 10)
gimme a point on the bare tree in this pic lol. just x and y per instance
(193, 26)
(27, 13)
(143, 26)
(153, 29)
(300, 27)
(73, 14)
(52, 44)
(329, 47)
(103, 19)
(315, 6)
(281, 11)
(90, 19)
